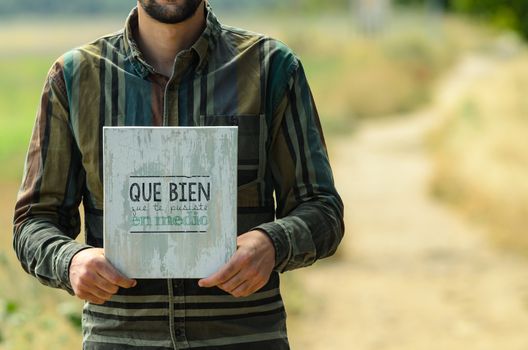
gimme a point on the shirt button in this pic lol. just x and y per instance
(178, 332)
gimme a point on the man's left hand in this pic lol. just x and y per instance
(249, 268)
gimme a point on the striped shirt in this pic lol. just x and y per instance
(285, 185)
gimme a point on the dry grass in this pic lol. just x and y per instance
(356, 77)
(41, 36)
(31, 316)
(352, 77)
(482, 155)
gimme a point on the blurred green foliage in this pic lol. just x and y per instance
(506, 14)
(71, 312)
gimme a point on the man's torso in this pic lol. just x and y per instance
(229, 77)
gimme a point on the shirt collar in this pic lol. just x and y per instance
(202, 46)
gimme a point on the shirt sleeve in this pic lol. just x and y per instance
(309, 223)
(46, 219)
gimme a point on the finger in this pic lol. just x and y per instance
(105, 285)
(94, 279)
(100, 294)
(249, 273)
(108, 272)
(90, 291)
(233, 283)
(253, 285)
(244, 289)
(225, 273)
(93, 299)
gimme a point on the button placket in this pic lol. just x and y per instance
(171, 95)
(179, 320)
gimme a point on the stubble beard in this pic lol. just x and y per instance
(171, 13)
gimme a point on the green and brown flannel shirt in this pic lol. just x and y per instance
(285, 185)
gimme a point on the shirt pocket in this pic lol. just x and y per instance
(252, 135)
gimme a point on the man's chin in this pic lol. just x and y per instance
(170, 12)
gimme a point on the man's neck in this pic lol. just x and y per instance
(160, 42)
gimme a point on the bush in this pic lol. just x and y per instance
(481, 155)
(511, 14)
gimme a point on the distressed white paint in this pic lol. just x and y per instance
(154, 243)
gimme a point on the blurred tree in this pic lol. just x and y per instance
(439, 3)
(512, 14)
(409, 2)
(506, 14)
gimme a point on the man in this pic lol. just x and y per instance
(174, 64)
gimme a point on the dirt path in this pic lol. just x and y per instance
(411, 273)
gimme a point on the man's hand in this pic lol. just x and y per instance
(93, 278)
(249, 268)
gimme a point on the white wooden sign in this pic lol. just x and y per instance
(170, 199)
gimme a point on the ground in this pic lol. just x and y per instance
(411, 273)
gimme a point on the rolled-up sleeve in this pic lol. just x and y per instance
(309, 223)
(46, 220)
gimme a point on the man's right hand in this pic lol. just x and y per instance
(93, 278)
